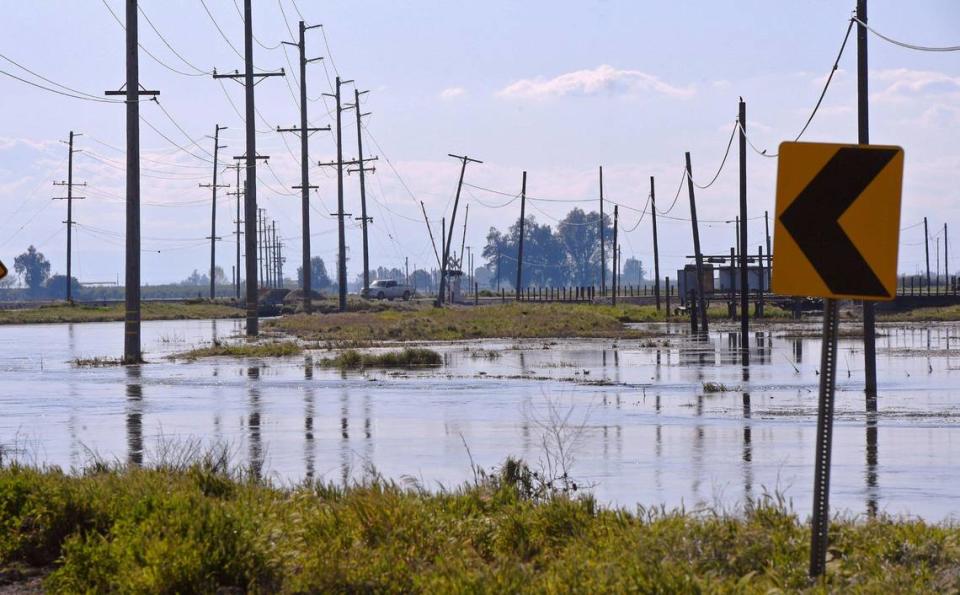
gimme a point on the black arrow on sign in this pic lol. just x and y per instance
(812, 220)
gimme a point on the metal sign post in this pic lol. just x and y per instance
(821, 477)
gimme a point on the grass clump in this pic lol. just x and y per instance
(112, 313)
(96, 362)
(410, 357)
(717, 387)
(254, 349)
(203, 529)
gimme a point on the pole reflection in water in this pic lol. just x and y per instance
(345, 436)
(798, 351)
(658, 447)
(873, 489)
(309, 455)
(747, 448)
(253, 423)
(134, 415)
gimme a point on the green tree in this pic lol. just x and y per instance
(318, 274)
(34, 268)
(57, 286)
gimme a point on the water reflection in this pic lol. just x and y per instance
(253, 423)
(873, 491)
(134, 414)
(309, 449)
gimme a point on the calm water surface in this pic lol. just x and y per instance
(634, 414)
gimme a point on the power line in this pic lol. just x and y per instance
(722, 162)
(169, 46)
(260, 43)
(909, 46)
(65, 94)
(217, 25)
(836, 64)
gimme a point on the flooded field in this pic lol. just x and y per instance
(661, 421)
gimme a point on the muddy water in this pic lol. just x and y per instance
(630, 420)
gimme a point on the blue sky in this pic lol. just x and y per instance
(555, 88)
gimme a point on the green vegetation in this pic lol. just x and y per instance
(96, 362)
(409, 357)
(115, 312)
(944, 314)
(511, 320)
(252, 349)
(717, 387)
(198, 528)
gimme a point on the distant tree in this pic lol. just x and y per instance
(318, 274)
(34, 268)
(422, 280)
(580, 234)
(57, 286)
(219, 276)
(485, 278)
(633, 272)
(196, 278)
(8, 281)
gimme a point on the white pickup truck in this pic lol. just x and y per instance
(388, 289)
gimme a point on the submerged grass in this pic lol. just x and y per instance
(410, 357)
(253, 349)
(200, 528)
(96, 362)
(115, 312)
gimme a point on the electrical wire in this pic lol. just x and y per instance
(910, 46)
(677, 195)
(836, 64)
(723, 162)
(145, 50)
(200, 71)
(65, 94)
(217, 25)
(244, 21)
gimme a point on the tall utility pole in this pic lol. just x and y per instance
(603, 254)
(463, 240)
(766, 224)
(523, 207)
(926, 247)
(132, 93)
(250, 196)
(213, 208)
(698, 255)
(237, 233)
(946, 257)
(656, 247)
(863, 130)
(70, 198)
(304, 130)
(261, 259)
(364, 220)
(453, 217)
(744, 278)
(615, 265)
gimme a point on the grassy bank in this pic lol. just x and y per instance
(945, 314)
(253, 349)
(198, 529)
(115, 312)
(509, 320)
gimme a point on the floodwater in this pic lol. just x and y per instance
(628, 420)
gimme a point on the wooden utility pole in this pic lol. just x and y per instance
(615, 250)
(603, 254)
(304, 131)
(656, 248)
(362, 169)
(213, 207)
(926, 248)
(132, 93)
(463, 239)
(69, 184)
(946, 256)
(698, 255)
(453, 217)
(523, 207)
(250, 196)
(238, 193)
(744, 278)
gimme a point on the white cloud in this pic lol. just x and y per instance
(452, 93)
(903, 83)
(602, 79)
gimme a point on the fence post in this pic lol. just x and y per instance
(668, 298)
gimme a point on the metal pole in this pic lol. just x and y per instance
(523, 206)
(946, 257)
(238, 232)
(821, 482)
(744, 277)
(70, 222)
(701, 300)
(131, 344)
(213, 210)
(656, 247)
(863, 128)
(766, 224)
(305, 177)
